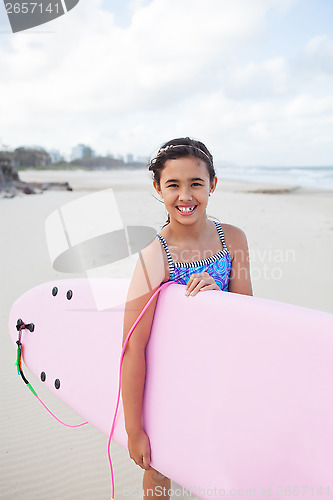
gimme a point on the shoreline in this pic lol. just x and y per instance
(95, 180)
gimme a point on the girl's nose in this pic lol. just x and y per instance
(185, 195)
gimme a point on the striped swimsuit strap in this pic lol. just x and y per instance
(172, 264)
(165, 246)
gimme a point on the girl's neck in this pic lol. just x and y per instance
(178, 232)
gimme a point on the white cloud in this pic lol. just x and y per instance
(175, 70)
(258, 80)
(316, 44)
(306, 105)
(316, 59)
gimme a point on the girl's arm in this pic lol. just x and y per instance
(147, 277)
(240, 279)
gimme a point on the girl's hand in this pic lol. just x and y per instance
(200, 282)
(139, 449)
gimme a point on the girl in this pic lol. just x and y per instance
(191, 249)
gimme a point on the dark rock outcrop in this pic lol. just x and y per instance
(8, 173)
(11, 185)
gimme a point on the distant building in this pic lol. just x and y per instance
(89, 152)
(130, 158)
(55, 156)
(78, 152)
(120, 157)
(82, 151)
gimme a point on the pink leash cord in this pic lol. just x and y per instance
(120, 368)
(58, 419)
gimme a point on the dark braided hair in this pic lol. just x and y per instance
(179, 148)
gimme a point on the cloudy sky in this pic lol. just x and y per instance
(253, 79)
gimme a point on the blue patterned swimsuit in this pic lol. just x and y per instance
(218, 266)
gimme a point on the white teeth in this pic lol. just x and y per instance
(186, 209)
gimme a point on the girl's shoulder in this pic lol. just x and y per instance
(153, 263)
(235, 238)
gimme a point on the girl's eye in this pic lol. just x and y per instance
(193, 184)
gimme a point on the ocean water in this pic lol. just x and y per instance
(311, 177)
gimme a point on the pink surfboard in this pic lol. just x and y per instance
(239, 390)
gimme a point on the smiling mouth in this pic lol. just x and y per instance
(186, 210)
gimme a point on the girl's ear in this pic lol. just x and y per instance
(213, 185)
(157, 188)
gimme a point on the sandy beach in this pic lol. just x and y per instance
(290, 235)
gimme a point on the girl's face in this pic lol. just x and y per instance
(185, 187)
